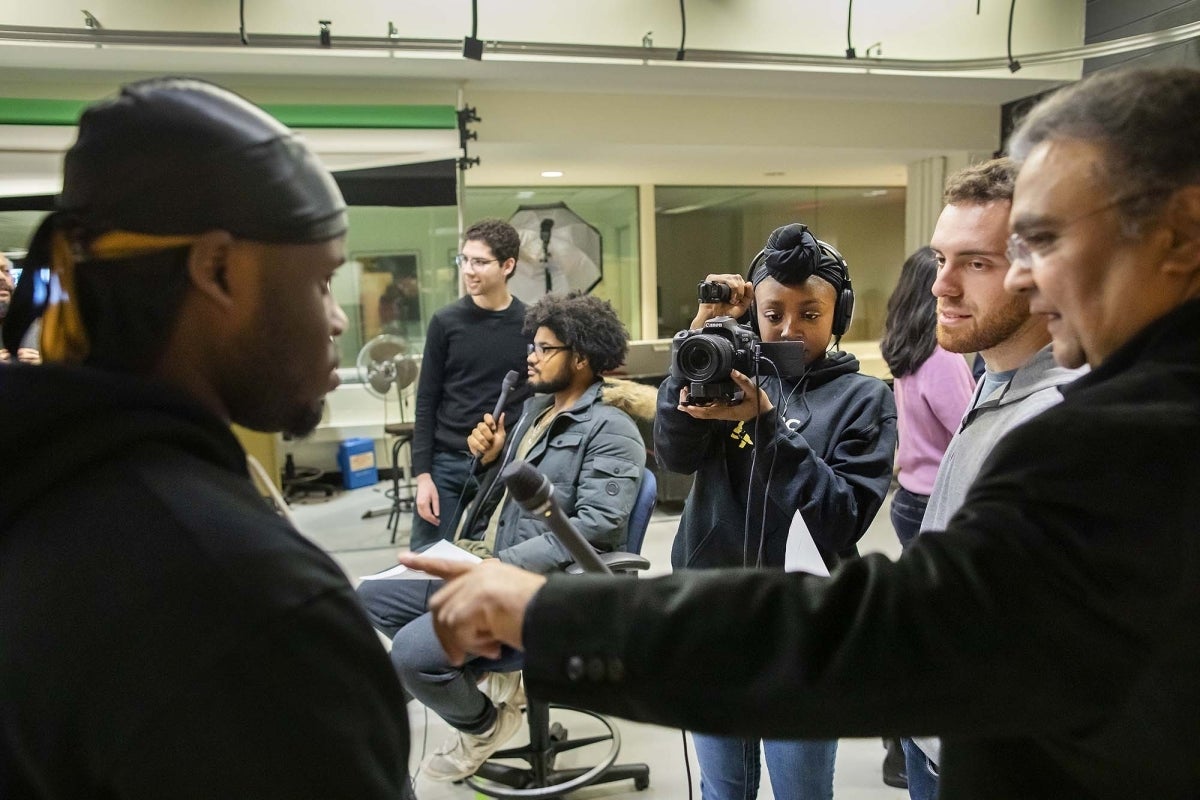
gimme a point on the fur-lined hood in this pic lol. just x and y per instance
(635, 399)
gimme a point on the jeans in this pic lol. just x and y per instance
(922, 774)
(908, 509)
(451, 475)
(799, 769)
(400, 609)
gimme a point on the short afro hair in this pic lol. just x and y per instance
(586, 324)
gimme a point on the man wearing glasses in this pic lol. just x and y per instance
(577, 432)
(976, 314)
(470, 346)
(1060, 616)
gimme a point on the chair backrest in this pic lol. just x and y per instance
(643, 508)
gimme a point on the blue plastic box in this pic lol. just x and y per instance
(356, 459)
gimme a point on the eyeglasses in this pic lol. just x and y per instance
(1020, 251)
(474, 263)
(542, 349)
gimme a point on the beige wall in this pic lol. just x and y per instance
(872, 240)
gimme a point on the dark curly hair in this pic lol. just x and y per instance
(586, 324)
(498, 235)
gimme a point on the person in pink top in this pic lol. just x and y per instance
(933, 389)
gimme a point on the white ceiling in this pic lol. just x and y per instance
(513, 149)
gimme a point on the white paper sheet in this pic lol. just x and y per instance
(443, 549)
(800, 552)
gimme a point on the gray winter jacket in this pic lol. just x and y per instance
(594, 455)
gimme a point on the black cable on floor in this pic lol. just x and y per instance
(687, 764)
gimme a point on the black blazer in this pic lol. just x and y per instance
(1051, 635)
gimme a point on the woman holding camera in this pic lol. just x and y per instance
(816, 440)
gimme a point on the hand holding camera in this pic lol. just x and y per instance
(752, 402)
(722, 296)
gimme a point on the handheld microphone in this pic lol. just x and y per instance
(510, 380)
(534, 492)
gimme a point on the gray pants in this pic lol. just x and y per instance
(400, 608)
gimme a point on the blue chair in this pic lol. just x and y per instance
(546, 740)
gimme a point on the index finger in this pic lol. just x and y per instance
(438, 567)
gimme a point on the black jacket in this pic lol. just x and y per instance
(1051, 635)
(162, 632)
(831, 458)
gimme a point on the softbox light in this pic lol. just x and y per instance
(560, 252)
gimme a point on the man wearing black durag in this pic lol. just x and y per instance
(817, 439)
(164, 634)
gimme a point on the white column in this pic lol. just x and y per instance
(923, 201)
(648, 261)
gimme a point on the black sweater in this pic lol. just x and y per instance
(468, 351)
(162, 632)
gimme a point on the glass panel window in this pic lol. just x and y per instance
(399, 270)
(613, 210)
(718, 229)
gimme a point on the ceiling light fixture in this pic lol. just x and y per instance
(552, 173)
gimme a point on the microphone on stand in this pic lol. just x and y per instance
(510, 380)
(534, 492)
(547, 226)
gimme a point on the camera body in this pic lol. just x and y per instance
(713, 292)
(705, 358)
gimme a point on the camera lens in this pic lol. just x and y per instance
(705, 358)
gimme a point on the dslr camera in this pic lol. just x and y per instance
(705, 358)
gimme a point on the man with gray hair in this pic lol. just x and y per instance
(1051, 636)
(976, 314)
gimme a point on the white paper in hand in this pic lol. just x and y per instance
(800, 553)
(443, 549)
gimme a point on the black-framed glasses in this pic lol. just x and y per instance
(1020, 251)
(474, 263)
(543, 349)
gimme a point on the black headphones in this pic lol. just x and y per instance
(843, 310)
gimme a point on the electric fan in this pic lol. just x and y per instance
(383, 363)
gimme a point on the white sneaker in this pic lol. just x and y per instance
(504, 687)
(462, 754)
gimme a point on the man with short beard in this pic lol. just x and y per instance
(577, 431)
(164, 632)
(977, 314)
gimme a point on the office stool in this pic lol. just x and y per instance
(401, 494)
(543, 778)
(302, 481)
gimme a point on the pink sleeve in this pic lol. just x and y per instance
(948, 391)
